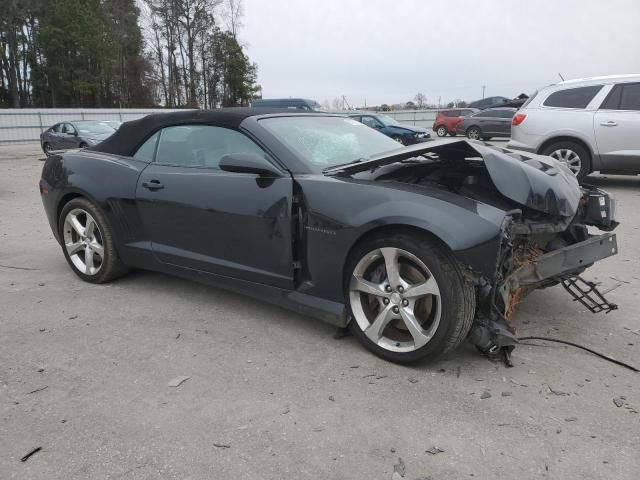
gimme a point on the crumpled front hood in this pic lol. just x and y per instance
(535, 181)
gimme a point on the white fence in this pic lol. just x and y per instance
(419, 118)
(23, 125)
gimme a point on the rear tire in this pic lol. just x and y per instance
(87, 241)
(573, 155)
(453, 134)
(474, 133)
(443, 304)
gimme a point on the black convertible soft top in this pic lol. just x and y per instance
(132, 134)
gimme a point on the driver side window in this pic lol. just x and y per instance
(68, 129)
(200, 145)
(370, 122)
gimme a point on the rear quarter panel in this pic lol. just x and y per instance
(107, 180)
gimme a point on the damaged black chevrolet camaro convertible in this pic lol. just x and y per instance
(415, 248)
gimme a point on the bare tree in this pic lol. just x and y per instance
(420, 99)
(232, 15)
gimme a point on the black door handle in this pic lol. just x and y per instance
(153, 185)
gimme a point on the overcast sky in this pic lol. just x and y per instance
(387, 51)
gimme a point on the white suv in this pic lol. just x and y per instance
(592, 124)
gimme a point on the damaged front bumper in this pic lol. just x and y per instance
(560, 264)
(537, 255)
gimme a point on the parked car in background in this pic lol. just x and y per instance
(400, 132)
(293, 103)
(80, 134)
(591, 124)
(485, 124)
(489, 102)
(447, 120)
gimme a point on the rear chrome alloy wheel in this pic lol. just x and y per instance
(473, 133)
(395, 300)
(442, 132)
(570, 158)
(83, 241)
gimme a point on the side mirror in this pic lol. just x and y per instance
(248, 163)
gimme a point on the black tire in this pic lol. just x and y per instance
(46, 148)
(474, 133)
(583, 154)
(457, 294)
(453, 134)
(441, 131)
(83, 145)
(400, 139)
(111, 266)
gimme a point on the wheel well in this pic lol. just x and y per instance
(63, 201)
(565, 139)
(390, 230)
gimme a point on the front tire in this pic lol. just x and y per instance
(46, 148)
(441, 131)
(88, 243)
(573, 155)
(400, 139)
(407, 298)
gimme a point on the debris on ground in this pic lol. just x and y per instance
(73, 317)
(285, 411)
(485, 395)
(558, 393)
(331, 398)
(506, 394)
(435, 450)
(618, 402)
(32, 452)
(413, 380)
(37, 390)
(571, 419)
(176, 382)
(400, 468)
(221, 445)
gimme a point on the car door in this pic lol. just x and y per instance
(68, 137)
(199, 217)
(617, 128)
(54, 136)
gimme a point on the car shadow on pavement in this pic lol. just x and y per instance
(620, 181)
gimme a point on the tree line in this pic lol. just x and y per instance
(123, 53)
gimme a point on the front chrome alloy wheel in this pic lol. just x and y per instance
(83, 241)
(570, 158)
(395, 299)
